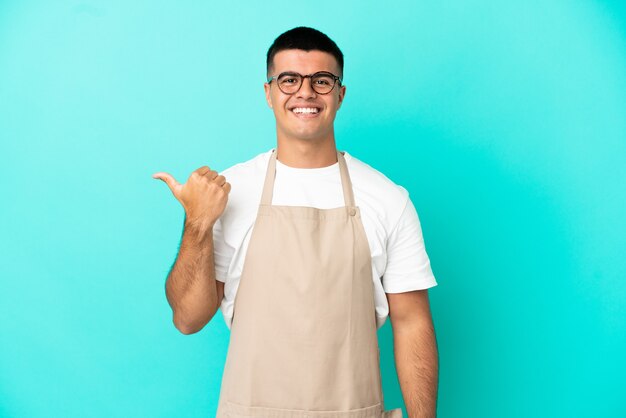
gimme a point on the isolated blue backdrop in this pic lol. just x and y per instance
(506, 123)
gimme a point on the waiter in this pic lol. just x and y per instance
(306, 257)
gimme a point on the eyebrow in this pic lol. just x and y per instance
(296, 73)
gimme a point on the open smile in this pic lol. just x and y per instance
(306, 112)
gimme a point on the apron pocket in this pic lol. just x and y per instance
(234, 410)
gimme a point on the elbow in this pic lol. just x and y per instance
(186, 328)
(188, 325)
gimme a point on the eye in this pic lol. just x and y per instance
(288, 79)
(324, 80)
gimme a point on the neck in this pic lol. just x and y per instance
(306, 153)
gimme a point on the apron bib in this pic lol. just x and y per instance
(303, 337)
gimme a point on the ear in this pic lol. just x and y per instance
(268, 95)
(342, 94)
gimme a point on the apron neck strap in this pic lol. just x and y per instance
(270, 175)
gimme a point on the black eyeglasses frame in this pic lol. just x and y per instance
(302, 77)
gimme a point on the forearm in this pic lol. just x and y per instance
(190, 287)
(417, 364)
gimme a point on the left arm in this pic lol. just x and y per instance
(415, 351)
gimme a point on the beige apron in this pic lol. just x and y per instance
(303, 337)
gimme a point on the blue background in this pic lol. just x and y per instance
(505, 121)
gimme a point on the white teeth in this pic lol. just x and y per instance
(304, 110)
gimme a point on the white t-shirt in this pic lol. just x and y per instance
(399, 259)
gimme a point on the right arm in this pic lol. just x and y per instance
(191, 288)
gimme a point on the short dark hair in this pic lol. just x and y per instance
(307, 39)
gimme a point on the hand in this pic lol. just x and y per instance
(204, 196)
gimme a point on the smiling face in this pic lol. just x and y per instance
(304, 124)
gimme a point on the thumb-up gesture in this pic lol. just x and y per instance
(203, 197)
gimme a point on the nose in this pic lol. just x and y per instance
(306, 89)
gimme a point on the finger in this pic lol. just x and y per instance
(203, 170)
(211, 174)
(220, 180)
(227, 187)
(169, 180)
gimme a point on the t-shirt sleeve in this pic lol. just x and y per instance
(222, 253)
(408, 266)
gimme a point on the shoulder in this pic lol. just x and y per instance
(375, 190)
(242, 170)
(246, 179)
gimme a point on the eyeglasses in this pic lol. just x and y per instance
(290, 82)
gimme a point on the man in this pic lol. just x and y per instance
(306, 258)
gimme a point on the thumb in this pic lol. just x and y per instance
(169, 180)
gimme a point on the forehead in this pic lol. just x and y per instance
(304, 62)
